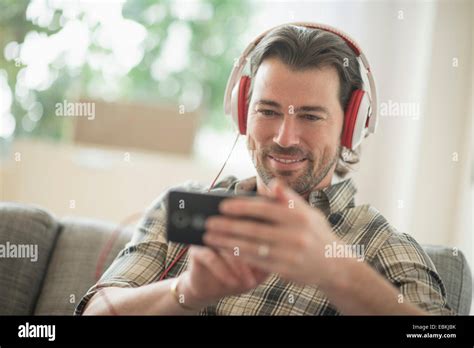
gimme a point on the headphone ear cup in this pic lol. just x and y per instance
(239, 105)
(351, 119)
(242, 105)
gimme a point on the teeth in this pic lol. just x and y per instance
(287, 161)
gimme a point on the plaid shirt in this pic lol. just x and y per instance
(396, 256)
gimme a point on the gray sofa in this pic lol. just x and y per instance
(67, 256)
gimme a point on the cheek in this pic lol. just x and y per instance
(258, 133)
(317, 141)
(333, 131)
(322, 139)
(338, 124)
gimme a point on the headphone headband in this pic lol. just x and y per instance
(363, 64)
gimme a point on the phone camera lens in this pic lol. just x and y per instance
(180, 219)
(198, 222)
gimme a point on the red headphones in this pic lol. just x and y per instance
(360, 115)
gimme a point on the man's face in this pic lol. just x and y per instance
(294, 125)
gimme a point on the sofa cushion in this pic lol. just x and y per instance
(455, 273)
(26, 230)
(73, 264)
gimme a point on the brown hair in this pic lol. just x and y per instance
(304, 48)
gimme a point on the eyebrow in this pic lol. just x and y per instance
(306, 108)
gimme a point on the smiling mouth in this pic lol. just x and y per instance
(287, 160)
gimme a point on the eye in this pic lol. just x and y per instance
(267, 113)
(310, 117)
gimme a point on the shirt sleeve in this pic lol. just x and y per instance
(407, 266)
(142, 260)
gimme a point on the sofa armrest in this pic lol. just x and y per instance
(72, 270)
(27, 238)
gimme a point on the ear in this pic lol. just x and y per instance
(250, 142)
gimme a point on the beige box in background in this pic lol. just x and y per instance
(156, 128)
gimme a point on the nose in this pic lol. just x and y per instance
(287, 133)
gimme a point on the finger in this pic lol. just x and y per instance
(270, 211)
(264, 264)
(229, 259)
(284, 194)
(193, 249)
(242, 271)
(259, 274)
(249, 277)
(255, 231)
(216, 265)
(244, 274)
(249, 251)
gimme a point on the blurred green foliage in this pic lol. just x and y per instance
(212, 50)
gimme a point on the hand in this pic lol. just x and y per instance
(212, 275)
(294, 235)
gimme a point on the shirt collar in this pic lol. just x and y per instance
(330, 199)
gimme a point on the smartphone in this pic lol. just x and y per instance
(188, 211)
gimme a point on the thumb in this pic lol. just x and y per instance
(284, 194)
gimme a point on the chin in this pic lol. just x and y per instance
(284, 174)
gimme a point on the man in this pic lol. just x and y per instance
(291, 261)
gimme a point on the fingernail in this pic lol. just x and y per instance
(210, 223)
(223, 206)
